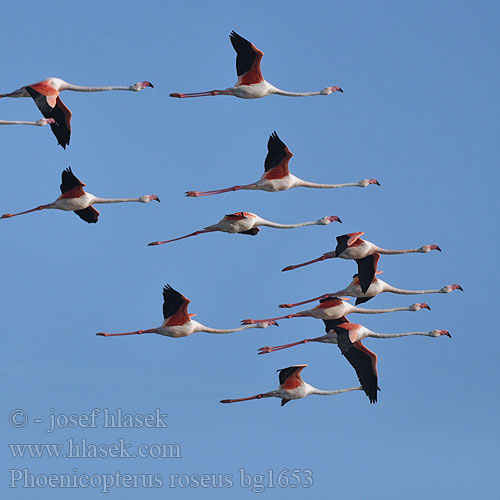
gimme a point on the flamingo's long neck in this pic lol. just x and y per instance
(4, 122)
(401, 291)
(114, 200)
(277, 225)
(391, 335)
(80, 88)
(329, 393)
(394, 252)
(294, 94)
(204, 328)
(361, 310)
(326, 186)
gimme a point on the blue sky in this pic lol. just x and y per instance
(419, 113)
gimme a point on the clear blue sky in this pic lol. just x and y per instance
(419, 112)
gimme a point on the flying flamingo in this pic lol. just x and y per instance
(178, 322)
(292, 387)
(276, 175)
(74, 198)
(39, 123)
(334, 308)
(377, 286)
(247, 223)
(46, 97)
(366, 254)
(348, 336)
(251, 83)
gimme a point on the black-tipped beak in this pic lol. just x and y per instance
(377, 183)
(157, 199)
(460, 288)
(437, 248)
(341, 91)
(449, 334)
(151, 85)
(338, 220)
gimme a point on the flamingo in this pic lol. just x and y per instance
(376, 286)
(348, 337)
(292, 387)
(178, 322)
(39, 123)
(251, 83)
(74, 198)
(46, 97)
(335, 307)
(276, 175)
(247, 223)
(366, 254)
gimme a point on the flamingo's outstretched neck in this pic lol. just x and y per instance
(433, 333)
(257, 324)
(363, 183)
(180, 238)
(325, 91)
(136, 87)
(413, 307)
(329, 255)
(142, 199)
(445, 289)
(320, 222)
(137, 332)
(423, 249)
(338, 391)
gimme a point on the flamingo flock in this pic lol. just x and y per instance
(332, 308)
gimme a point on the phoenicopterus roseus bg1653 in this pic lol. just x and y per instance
(247, 223)
(377, 286)
(292, 387)
(336, 307)
(177, 321)
(366, 254)
(46, 97)
(251, 83)
(276, 175)
(75, 199)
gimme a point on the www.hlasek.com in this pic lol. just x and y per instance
(257, 483)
